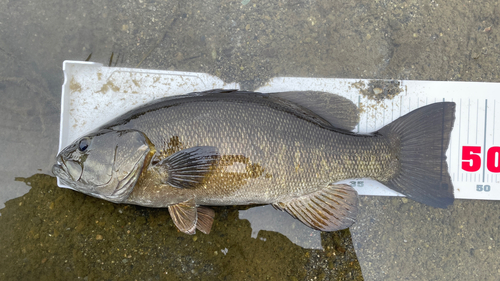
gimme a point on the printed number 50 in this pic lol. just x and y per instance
(481, 187)
(471, 159)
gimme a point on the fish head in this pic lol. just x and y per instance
(105, 164)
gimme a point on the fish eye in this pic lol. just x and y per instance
(83, 145)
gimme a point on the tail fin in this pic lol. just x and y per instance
(424, 135)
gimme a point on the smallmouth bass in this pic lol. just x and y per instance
(288, 149)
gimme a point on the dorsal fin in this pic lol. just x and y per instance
(325, 109)
(340, 112)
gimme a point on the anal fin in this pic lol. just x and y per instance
(330, 209)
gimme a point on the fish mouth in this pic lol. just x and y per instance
(67, 169)
(59, 169)
(64, 180)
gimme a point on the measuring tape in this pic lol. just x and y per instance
(93, 94)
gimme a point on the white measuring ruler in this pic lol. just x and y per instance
(93, 94)
(473, 155)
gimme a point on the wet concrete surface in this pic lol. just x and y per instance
(51, 233)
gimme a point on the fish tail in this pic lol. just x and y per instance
(423, 136)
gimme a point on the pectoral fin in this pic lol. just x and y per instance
(188, 167)
(188, 217)
(333, 208)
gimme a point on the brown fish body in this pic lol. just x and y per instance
(237, 148)
(267, 154)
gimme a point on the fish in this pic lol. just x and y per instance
(230, 147)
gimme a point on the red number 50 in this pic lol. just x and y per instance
(471, 159)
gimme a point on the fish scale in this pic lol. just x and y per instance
(236, 128)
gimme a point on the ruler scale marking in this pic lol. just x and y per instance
(468, 122)
(494, 111)
(477, 119)
(485, 122)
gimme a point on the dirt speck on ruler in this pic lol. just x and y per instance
(379, 90)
